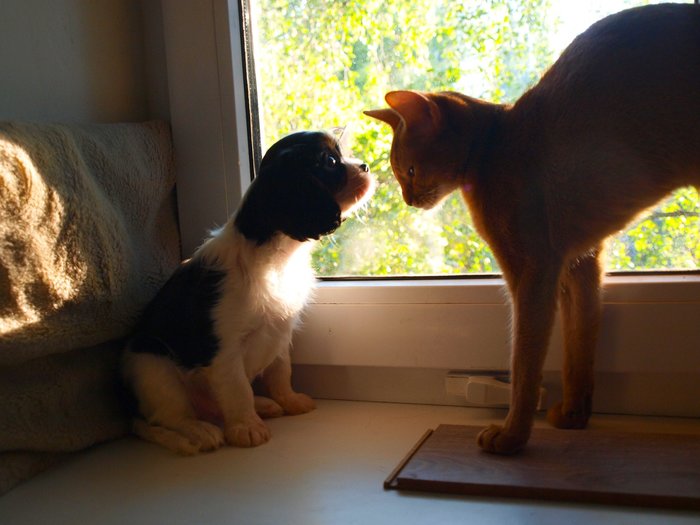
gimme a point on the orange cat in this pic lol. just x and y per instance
(608, 131)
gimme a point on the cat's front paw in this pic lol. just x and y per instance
(250, 433)
(494, 439)
(558, 417)
(296, 403)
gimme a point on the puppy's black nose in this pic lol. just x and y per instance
(364, 167)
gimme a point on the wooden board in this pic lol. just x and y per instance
(590, 466)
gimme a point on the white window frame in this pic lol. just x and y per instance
(650, 337)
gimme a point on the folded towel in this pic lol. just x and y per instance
(88, 234)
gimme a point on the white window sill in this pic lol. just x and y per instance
(649, 340)
(325, 467)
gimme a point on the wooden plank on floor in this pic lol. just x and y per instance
(590, 466)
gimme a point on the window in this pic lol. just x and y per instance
(395, 339)
(318, 64)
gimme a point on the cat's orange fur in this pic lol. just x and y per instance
(609, 130)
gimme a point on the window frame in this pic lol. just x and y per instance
(438, 323)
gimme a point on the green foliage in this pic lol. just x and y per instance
(320, 63)
(665, 238)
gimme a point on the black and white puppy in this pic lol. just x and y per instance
(226, 316)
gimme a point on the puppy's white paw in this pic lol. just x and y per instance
(188, 437)
(250, 433)
(267, 408)
(203, 435)
(296, 403)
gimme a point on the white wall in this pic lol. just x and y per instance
(111, 60)
(81, 61)
(208, 115)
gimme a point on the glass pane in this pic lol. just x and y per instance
(319, 64)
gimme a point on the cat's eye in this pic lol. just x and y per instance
(411, 172)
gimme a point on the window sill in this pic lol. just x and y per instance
(648, 341)
(323, 467)
(673, 287)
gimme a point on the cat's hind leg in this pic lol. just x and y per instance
(579, 300)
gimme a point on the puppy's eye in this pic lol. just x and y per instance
(328, 161)
(331, 162)
(411, 172)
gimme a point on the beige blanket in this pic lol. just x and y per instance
(88, 233)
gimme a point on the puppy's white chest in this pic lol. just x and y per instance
(260, 308)
(284, 292)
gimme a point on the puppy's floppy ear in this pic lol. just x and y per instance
(304, 209)
(286, 198)
(308, 209)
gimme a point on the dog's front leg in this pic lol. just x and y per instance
(234, 393)
(277, 379)
(534, 304)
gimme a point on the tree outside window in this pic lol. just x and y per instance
(319, 64)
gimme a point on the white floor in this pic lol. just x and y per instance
(326, 467)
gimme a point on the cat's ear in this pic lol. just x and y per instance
(417, 110)
(389, 116)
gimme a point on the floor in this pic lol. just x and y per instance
(326, 467)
